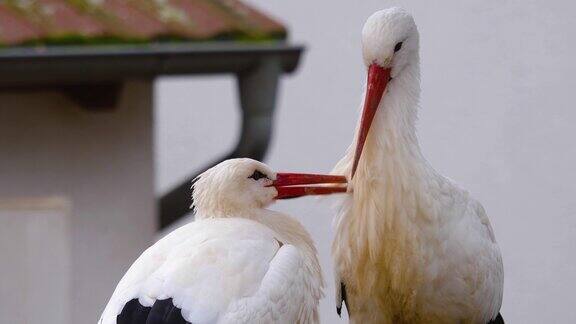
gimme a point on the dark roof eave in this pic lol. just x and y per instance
(49, 65)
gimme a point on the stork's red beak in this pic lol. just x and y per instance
(378, 78)
(293, 185)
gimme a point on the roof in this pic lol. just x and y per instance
(32, 22)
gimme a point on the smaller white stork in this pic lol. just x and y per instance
(236, 263)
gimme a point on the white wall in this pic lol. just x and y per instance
(102, 164)
(35, 253)
(497, 116)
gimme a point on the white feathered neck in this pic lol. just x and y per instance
(390, 190)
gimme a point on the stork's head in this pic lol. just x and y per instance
(389, 40)
(389, 45)
(241, 185)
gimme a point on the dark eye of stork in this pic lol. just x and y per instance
(257, 175)
(397, 47)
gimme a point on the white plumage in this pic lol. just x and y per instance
(236, 263)
(223, 270)
(411, 246)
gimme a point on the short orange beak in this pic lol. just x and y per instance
(293, 185)
(378, 78)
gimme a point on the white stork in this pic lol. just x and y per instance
(411, 246)
(236, 263)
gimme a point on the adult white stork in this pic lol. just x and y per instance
(236, 263)
(411, 246)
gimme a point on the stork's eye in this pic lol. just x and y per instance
(397, 47)
(257, 175)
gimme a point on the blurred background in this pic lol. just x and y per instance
(497, 116)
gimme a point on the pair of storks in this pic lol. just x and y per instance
(410, 245)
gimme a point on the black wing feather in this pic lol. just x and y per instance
(344, 301)
(497, 320)
(133, 313)
(162, 312)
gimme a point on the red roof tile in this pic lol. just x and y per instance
(57, 18)
(15, 28)
(126, 18)
(69, 21)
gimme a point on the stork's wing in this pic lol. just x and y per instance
(217, 270)
(283, 296)
(487, 260)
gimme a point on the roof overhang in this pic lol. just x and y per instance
(61, 65)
